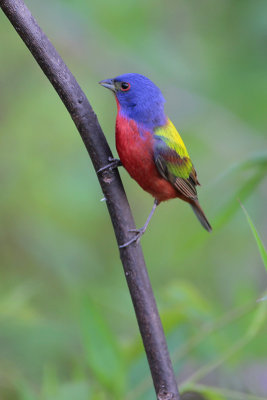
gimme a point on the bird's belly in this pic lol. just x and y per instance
(136, 154)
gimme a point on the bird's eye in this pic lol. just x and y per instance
(125, 86)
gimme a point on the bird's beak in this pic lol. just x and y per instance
(108, 83)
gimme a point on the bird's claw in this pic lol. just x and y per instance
(114, 163)
(138, 234)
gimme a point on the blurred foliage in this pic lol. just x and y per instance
(67, 326)
(259, 242)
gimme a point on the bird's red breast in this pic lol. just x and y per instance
(135, 149)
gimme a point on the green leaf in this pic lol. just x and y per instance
(258, 160)
(72, 390)
(243, 192)
(101, 348)
(259, 242)
(182, 300)
(50, 382)
(25, 390)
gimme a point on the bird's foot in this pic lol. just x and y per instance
(113, 163)
(138, 234)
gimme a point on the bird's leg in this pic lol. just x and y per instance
(113, 163)
(139, 232)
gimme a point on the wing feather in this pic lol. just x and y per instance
(173, 162)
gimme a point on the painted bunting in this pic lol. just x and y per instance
(149, 146)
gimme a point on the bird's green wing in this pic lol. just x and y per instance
(173, 161)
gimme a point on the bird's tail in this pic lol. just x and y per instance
(201, 216)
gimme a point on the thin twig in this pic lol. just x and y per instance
(94, 140)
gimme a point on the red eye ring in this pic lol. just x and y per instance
(125, 86)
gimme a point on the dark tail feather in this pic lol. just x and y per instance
(201, 216)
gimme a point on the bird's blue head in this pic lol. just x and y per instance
(139, 99)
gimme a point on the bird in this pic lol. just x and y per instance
(150, 148)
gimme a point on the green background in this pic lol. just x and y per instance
(67, 326)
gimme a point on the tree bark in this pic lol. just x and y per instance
(94, 140)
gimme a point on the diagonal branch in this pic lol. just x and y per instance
(94, 140)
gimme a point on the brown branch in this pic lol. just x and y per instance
(94, 140)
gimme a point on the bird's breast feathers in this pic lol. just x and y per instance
(134, 144)
(153, 159)
(135, 147)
